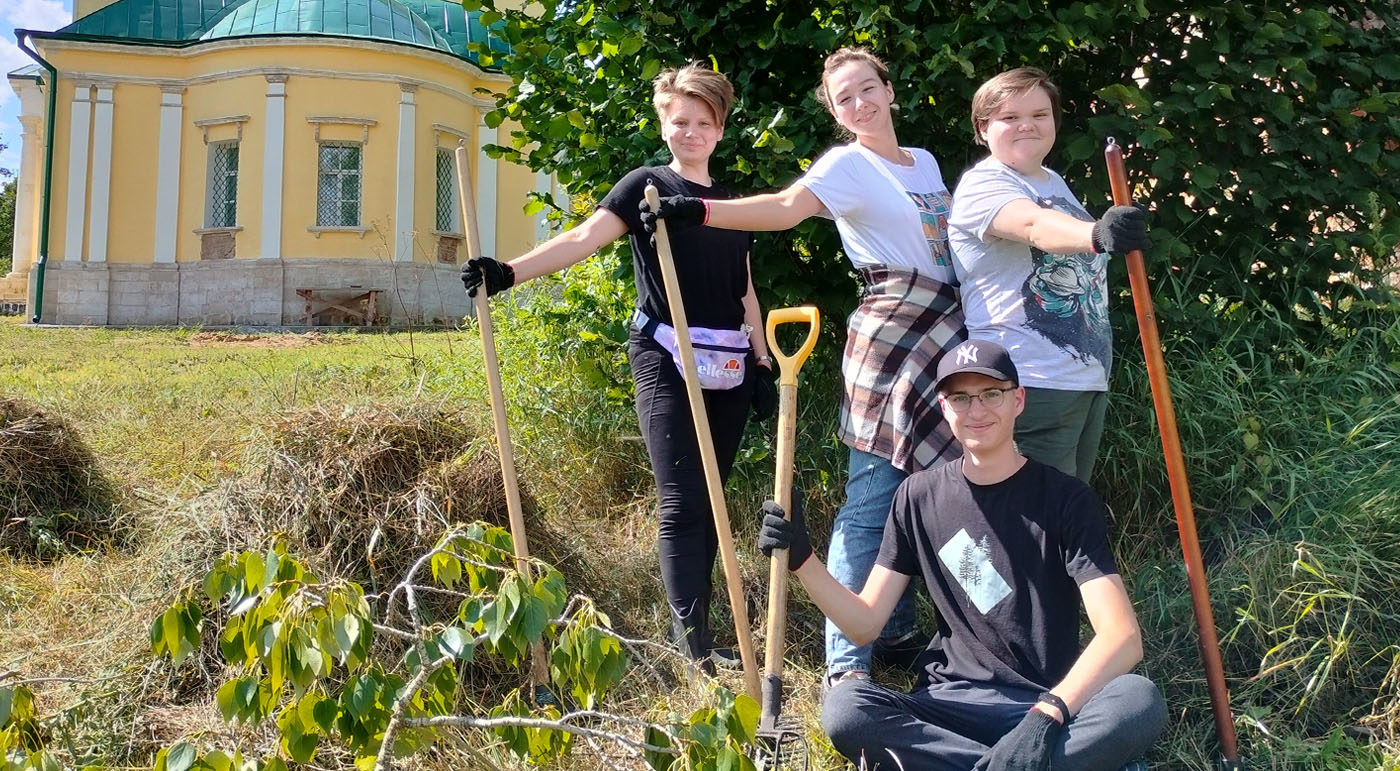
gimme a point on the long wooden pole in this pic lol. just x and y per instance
(713, 485)
(788, 367)
(1176, 472)
(539, 665)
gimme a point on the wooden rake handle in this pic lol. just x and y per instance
(1176, 469)
(715, 487)
(539, 666)
(788, 367)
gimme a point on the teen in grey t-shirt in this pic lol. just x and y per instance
(1032, 268)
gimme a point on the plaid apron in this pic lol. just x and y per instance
(904, 324)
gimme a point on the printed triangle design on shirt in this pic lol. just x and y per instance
(970, 564)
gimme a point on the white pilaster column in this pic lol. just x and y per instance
(407, 159)
(168, 173)
(27, 194)
(486, 190)
(101, 175)
(273, 149)
(79, 124)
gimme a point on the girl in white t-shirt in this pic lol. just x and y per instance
(891, 208)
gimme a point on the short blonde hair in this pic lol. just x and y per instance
(1001, 89)
(697, 81)
(843, 57)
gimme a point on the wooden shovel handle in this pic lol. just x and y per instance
(713, 485)
(1176, 469)
(788, 366)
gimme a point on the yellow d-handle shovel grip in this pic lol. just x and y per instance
(713, 485)
(788, 366)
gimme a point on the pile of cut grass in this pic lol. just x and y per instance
(53, 495)
(361, 490)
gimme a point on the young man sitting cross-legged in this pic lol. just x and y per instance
(1009, 548)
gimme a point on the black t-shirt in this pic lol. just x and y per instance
(1003, 564)
(711, 264)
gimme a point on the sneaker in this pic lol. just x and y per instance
(726, 658)
(849, 674)
(900, 653)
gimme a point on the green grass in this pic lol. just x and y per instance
(1291, 444)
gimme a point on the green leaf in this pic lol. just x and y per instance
(457, 642)
(180, 757)
(227, 700)
(325, 713)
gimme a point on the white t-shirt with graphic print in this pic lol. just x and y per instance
(1050, 311)
(886, 213)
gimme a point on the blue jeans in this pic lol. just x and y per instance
(855, 542)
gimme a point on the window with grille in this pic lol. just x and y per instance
(338, 185)
(223, 185)
(446, 193)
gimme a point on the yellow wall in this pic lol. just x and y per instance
(131, 226)
(230, 98)
(222, 79)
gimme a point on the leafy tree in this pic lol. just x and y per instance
(1263, 135)
(7, 225)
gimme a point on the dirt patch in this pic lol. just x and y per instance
(273, 340)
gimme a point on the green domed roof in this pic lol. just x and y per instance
(436, 24)
(378, 19)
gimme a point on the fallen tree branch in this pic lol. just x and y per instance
(564, 724)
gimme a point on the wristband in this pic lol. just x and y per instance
(1057, 703)
(706, 221)
(765, 359)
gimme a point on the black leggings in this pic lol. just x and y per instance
(687, 542)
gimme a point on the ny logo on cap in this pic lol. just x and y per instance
(967, 354)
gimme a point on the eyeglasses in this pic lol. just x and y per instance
(991, 398)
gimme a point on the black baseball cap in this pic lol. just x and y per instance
(983, 357)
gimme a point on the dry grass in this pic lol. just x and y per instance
(53, 495)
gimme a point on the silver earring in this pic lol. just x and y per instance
(894, 106)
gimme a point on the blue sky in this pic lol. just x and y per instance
(27, 14)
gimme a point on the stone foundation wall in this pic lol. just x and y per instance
(246, 292)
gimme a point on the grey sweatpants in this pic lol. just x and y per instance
(950, 726)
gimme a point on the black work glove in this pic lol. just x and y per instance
(496, 275)
(1120, 230)
(779, 533)
(679, 211)
(765, 392)
(1027, 747)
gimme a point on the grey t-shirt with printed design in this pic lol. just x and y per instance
(886, 213)
(1050, 311)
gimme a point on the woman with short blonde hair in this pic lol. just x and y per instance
(713, 267)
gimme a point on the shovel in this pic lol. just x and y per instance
(782, 745)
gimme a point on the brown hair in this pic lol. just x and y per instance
(1001, 89)
(696, 81)
(843, 57)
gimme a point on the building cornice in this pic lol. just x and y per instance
(280, 74)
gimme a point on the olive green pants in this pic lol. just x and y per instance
(1062, 428)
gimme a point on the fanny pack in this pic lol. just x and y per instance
(719, 353)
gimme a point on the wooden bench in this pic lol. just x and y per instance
(360, 304)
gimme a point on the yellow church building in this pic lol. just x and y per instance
(257, 162)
